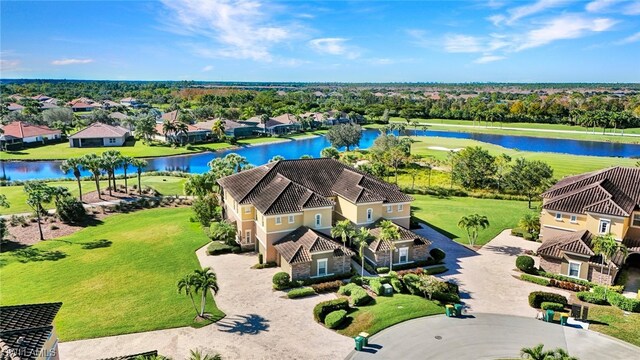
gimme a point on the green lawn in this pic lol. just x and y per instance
(388, 311)
(127, 286)
(443, 214)
(612, 321)
(166, 185)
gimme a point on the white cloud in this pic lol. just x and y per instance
(207, 68)
(334, 46)
(8, 65)
(632, 9)
(629, 39)
(599, 5)
(238, 28)
(520, 12)
(488, 58)
(458, 43)
(562, 28)
(71, 61)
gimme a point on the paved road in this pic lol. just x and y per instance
(487, 336)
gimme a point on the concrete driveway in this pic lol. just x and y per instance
(486, 277)
(260, 323)
(488, 336)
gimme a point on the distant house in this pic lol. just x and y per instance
(118, 116)
(108, 104)
(27, 331)
(283, 124)
(98, 135)
(41, 97)
(193, 135)
(329, 118)
(131, 102)
(232, 128)
(83, 107)
(15, 107)
(31, 133)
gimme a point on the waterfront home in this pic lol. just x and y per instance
(279, 125)
(27, 331)
(581, 207)
(130, 102)
(295, 203)
(28, 133)
(235, 129)
(98, 135)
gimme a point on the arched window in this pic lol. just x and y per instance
(369, 215)
(318, 220)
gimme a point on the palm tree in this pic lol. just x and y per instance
(218, 129)
(187, 285)
(472, 224)
(362, 238)
(182, 130)
(389, 233)
(140, 164)
(607, 247)
(538, 353)
(205, 280)
(73, 164)
(111, 160)
(168, 127)
(342, 229)
(197, 355)
(264, 118)
(125, 161)
(93, 163)
(530, 223)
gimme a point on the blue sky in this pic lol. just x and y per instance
(346, 41)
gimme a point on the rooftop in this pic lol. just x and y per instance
(298, 246)
(24, 329)
(100, 130)
(22, 130)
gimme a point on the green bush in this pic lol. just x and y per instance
(592, 298)
(436, 270)
(536, 298)
(549, 275)
(526, 264)
(444, 297)
(329, 286)
(437, 255)
(411, 282)
(622, 302)
(397, 285)
(300, 292)
(335, 318)
(382, 270)
(281, 280)
(376, 287)
(223, 231)
(269, 264)
(546, 305)
(260, 259)
(534, 279)
(70, 210)
(217, 248)
(321, 310)
(357, 294)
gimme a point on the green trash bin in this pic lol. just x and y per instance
(563, 318)
(458, 308)
(365, 337)
(359, 343)
(549, 316)
(449, 310)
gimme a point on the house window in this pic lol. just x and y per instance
(291, 219)
(558, 217)
(574, 219)
(604, 226)
(278, 220)
(636, 220)
(400, 207)
(112, 141)
(247, 210)
(369, 215)
(262, 218)
(318, 220)
(322, 267)
(574, 269)
(247, 236)
(389, 208)
(404, 255)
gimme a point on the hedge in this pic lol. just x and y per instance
(330, 286)
(592, 298)
(411, 282)
(325, 279)
(436, 270)
(281, 280)
(217, 248)
(357, 294)
(622, 302)
(397, 285)
(535, 279)
(546, 305)
(536, 298)
(567, 285)
(300, 292)
(566, 278)
(526, 264)
(321, 310)
(382, 270)
(335, 318)
(451, 298)
(376, 287)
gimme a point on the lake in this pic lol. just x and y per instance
(257, 155)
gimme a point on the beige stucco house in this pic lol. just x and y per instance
(580, 207)
(273, 201)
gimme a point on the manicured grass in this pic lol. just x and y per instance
(165, 185)
(388, 311)
(613, 322)
(128, 285)
(443, 214)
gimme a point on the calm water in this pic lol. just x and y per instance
(258, 155)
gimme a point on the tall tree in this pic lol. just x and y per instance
(342, 229)
(125, 162)
(205, 280)
(38, 193)
(330, 152)
(529, 177)
(346, 135)
(111, 160)
(139, 164)
(501, 163)
(472, 224)
(187, 285)
(74, 165)
(473, 167)
(93, 163)
(389, 234)
(218, 129)
(361, 239)
(607, 247)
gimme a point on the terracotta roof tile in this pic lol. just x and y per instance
(23, 130)
(298, 246)
(99, 130)
(25, 328)
(405, 234)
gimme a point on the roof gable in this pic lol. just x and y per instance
(299, 245)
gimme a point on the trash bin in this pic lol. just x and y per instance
(359, 343)
(549, 316)
(387, 290)
(449, 310)
(563, 318)
(365, 336)
(458, 308)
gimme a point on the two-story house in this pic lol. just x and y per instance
(285, 210)
(581, 207)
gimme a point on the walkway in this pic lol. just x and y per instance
(260, 323)
(487, 336)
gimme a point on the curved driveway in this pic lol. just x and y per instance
(487, 336)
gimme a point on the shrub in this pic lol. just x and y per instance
(436, 270)
(397, 285)
(335, 318)
(566, 278)
(70, 210)
(382, 270)
(592, 298)
(321, 310)
(300, 292)
(412, 282)
(567, 285)
(281, 280)
(217, 248)
(445, 297)
(269, 264)
(326, 279)
(223, 231)
(437, 255)
(622, 302)
(376, 287)
(536, 298)
(418, 271)
(357, 294)
(546, 305)
(260, 259)
(206, 209)
(329, 286)
(535, 279)
(526, 264)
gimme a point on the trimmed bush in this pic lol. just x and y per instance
(335, 318)
(223, 231)
(260, 259)
(376, 287)
(551, 306)
(443, 297)
(535, 279)
(622, 302)
(321, 310)
(536, 298)
(382, 270)
(281, 280)
(217, 248)
(397, 285)
(330, 286)
(566, 278)
(418, 271)
(70, 210)
(526, 264)
(270, 264)
(435, 270)
(325, 279)
(567, 285)
(357, 294)
(592, 298)
(437, 254)
(300, 292)
(411, 282)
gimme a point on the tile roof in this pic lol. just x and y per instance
(612, 191)
(405, 234)
(324, 177)
(578, 242)
(100, 130)
(171, 115)
(22, 130)
(24, 329)
(283, 196)
(228, 124)
(118, 115)
(299, 245)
